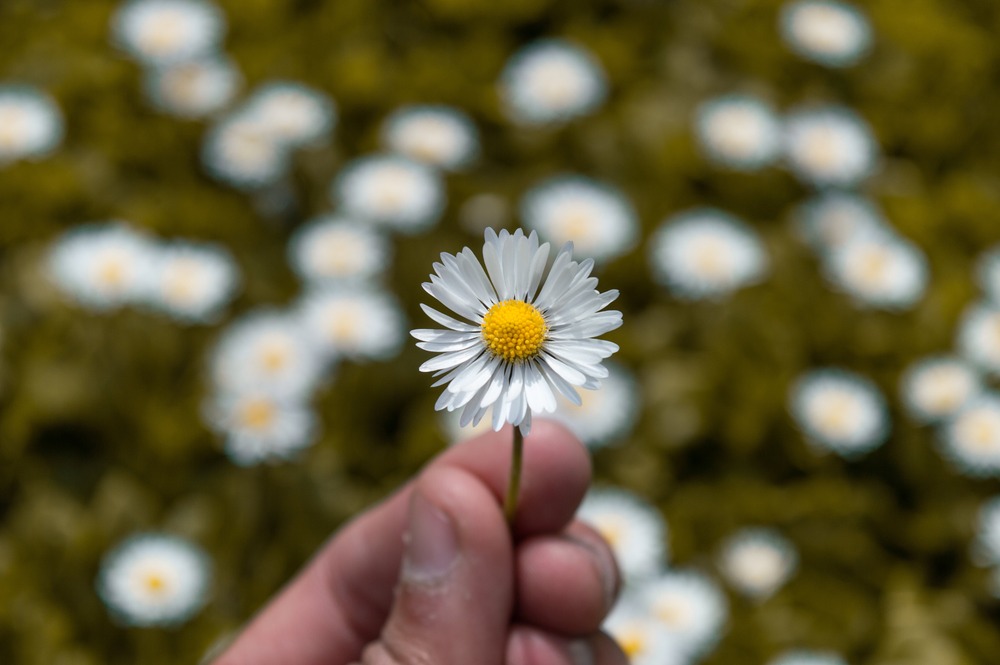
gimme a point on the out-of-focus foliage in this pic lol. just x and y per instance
(101, 433)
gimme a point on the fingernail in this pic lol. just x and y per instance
(431, 543)
(580, 652)
(607, 568)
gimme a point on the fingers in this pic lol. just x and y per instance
(531, 646)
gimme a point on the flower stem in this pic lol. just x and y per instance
(510, 503)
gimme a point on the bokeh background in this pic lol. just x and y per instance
(101, 427)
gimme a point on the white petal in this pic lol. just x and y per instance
(449, 360)
(448, 322)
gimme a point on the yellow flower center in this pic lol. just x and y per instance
(632, 643)
(155, 583)
(258, 414)
(514, 330)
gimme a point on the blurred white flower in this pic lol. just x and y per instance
(935, 388)
(551, 80)
(640, 635)
(840, 411)
(834, 34)
(604, 415)
(192, 281)
(163, 32)
(30, 123)
(154, 580)
(706, 253)
(597, 218)
(739, 131)
(356, 322)
(808, 658)
(830, 146)
(391, 191)
(193, 89)
(878, 270)
(830, 220)
(971, 439)
(439, 136)
(240, 152)
(757, 562)
(331, 249)
(979, 336)
(261, 427)
(987, 542)
(690, 609)
(635, 530)
(291, 113)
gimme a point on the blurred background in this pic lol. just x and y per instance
(183, 184)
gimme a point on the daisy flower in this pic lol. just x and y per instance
(878, 270)
(757, 562)
(163, 32)
(988, 274)
(739, 131)
(552, 80)
(635, 530)
(705, 253)
(979, 336)
(605, 415)
(390, 191)
(808, 658)
(528, 334)
(830, 146)
(640, 636)
(337, 249)
(833, 219)
(194, 89)
(690, 609)
(261, 427)
(987, 543)
(840, 411)
(193, 282)
(154, 580)
(102, 266)
(356, 322)
(240, 152)
(439, 136)
(935, 388)
(30, 123)
(291, 113)
(834, 34)
(971, 439)
(596, 218)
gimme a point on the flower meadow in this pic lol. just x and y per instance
(218, 215)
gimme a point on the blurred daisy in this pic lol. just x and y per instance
(102, 266)
(193, 282)
(935, 388)
(979, 336)
(30, 123)
(757, 562)
(439, 136)
(690, 609)
(840, 411)
(391, 191)
(831, 220)
(291, 113)
(552, 80)
(705, 253)
(162, 32)
(830, 33)
(605, 415)
(808, 658)
(240, 152)
(972, 438)
(640, 636)
(261, 427)
(596, 218)
(739, 131)
(154, 580)
(878, 270)
(193, 89)
(987, 543)
(830, 146)
(988, 274)
(337, 249)
(528, 335)
(635, 530)
(265, 350)
(354, 322)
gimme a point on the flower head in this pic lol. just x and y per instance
(757, 562)
(391, 191)
(192, 281)
(30, 123)
(352, 321)
(830, 33)
(440, 136)
(240, 151)
(332, 249)
(193, 89)
(739, 131)
(833, 219)
(640, 636)
(527, 334)
(878, 270)
(635, 530)
(689, 607)
(830, 146)
(935, 388)
(161, 32)
(971, 439)
(979, 336)
(291, 113)
(840, 411)
(259, 426)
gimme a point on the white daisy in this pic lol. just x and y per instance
(154, 580)
(261, 427)
(878, 270)
(606, 414)
(103, 266)
(436, 135)
(988, 274)
(356, 322)
(808, 658)
(706, 253)
(266, 350)
(635, 530)
(30, 123)
(291, 113)
(830, 33)
(935, 388)
(831, 220)
(979, 336)
(757, 562)
(528, 334)
(971, 439)
(830, 146)
(987, 543)
(193, 282)
(641, 636)
(840, 411)
(391, 191)
(552, 80)
(599, 221)
(337, 249)
(689, 607)
(193, 89)
(739, 131)
(162, 32)
(241, 152)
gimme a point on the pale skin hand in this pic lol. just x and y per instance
(459, 591)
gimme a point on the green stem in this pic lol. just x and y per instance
(514, 485)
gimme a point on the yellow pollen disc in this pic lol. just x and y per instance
(155, 583)
(514, 330)
(258, 414)
(632, 644)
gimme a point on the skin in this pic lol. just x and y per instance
(531, 594)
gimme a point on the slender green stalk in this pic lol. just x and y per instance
(514, 485)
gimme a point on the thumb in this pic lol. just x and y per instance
(454, 599)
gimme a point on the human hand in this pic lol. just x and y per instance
(461, 587)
